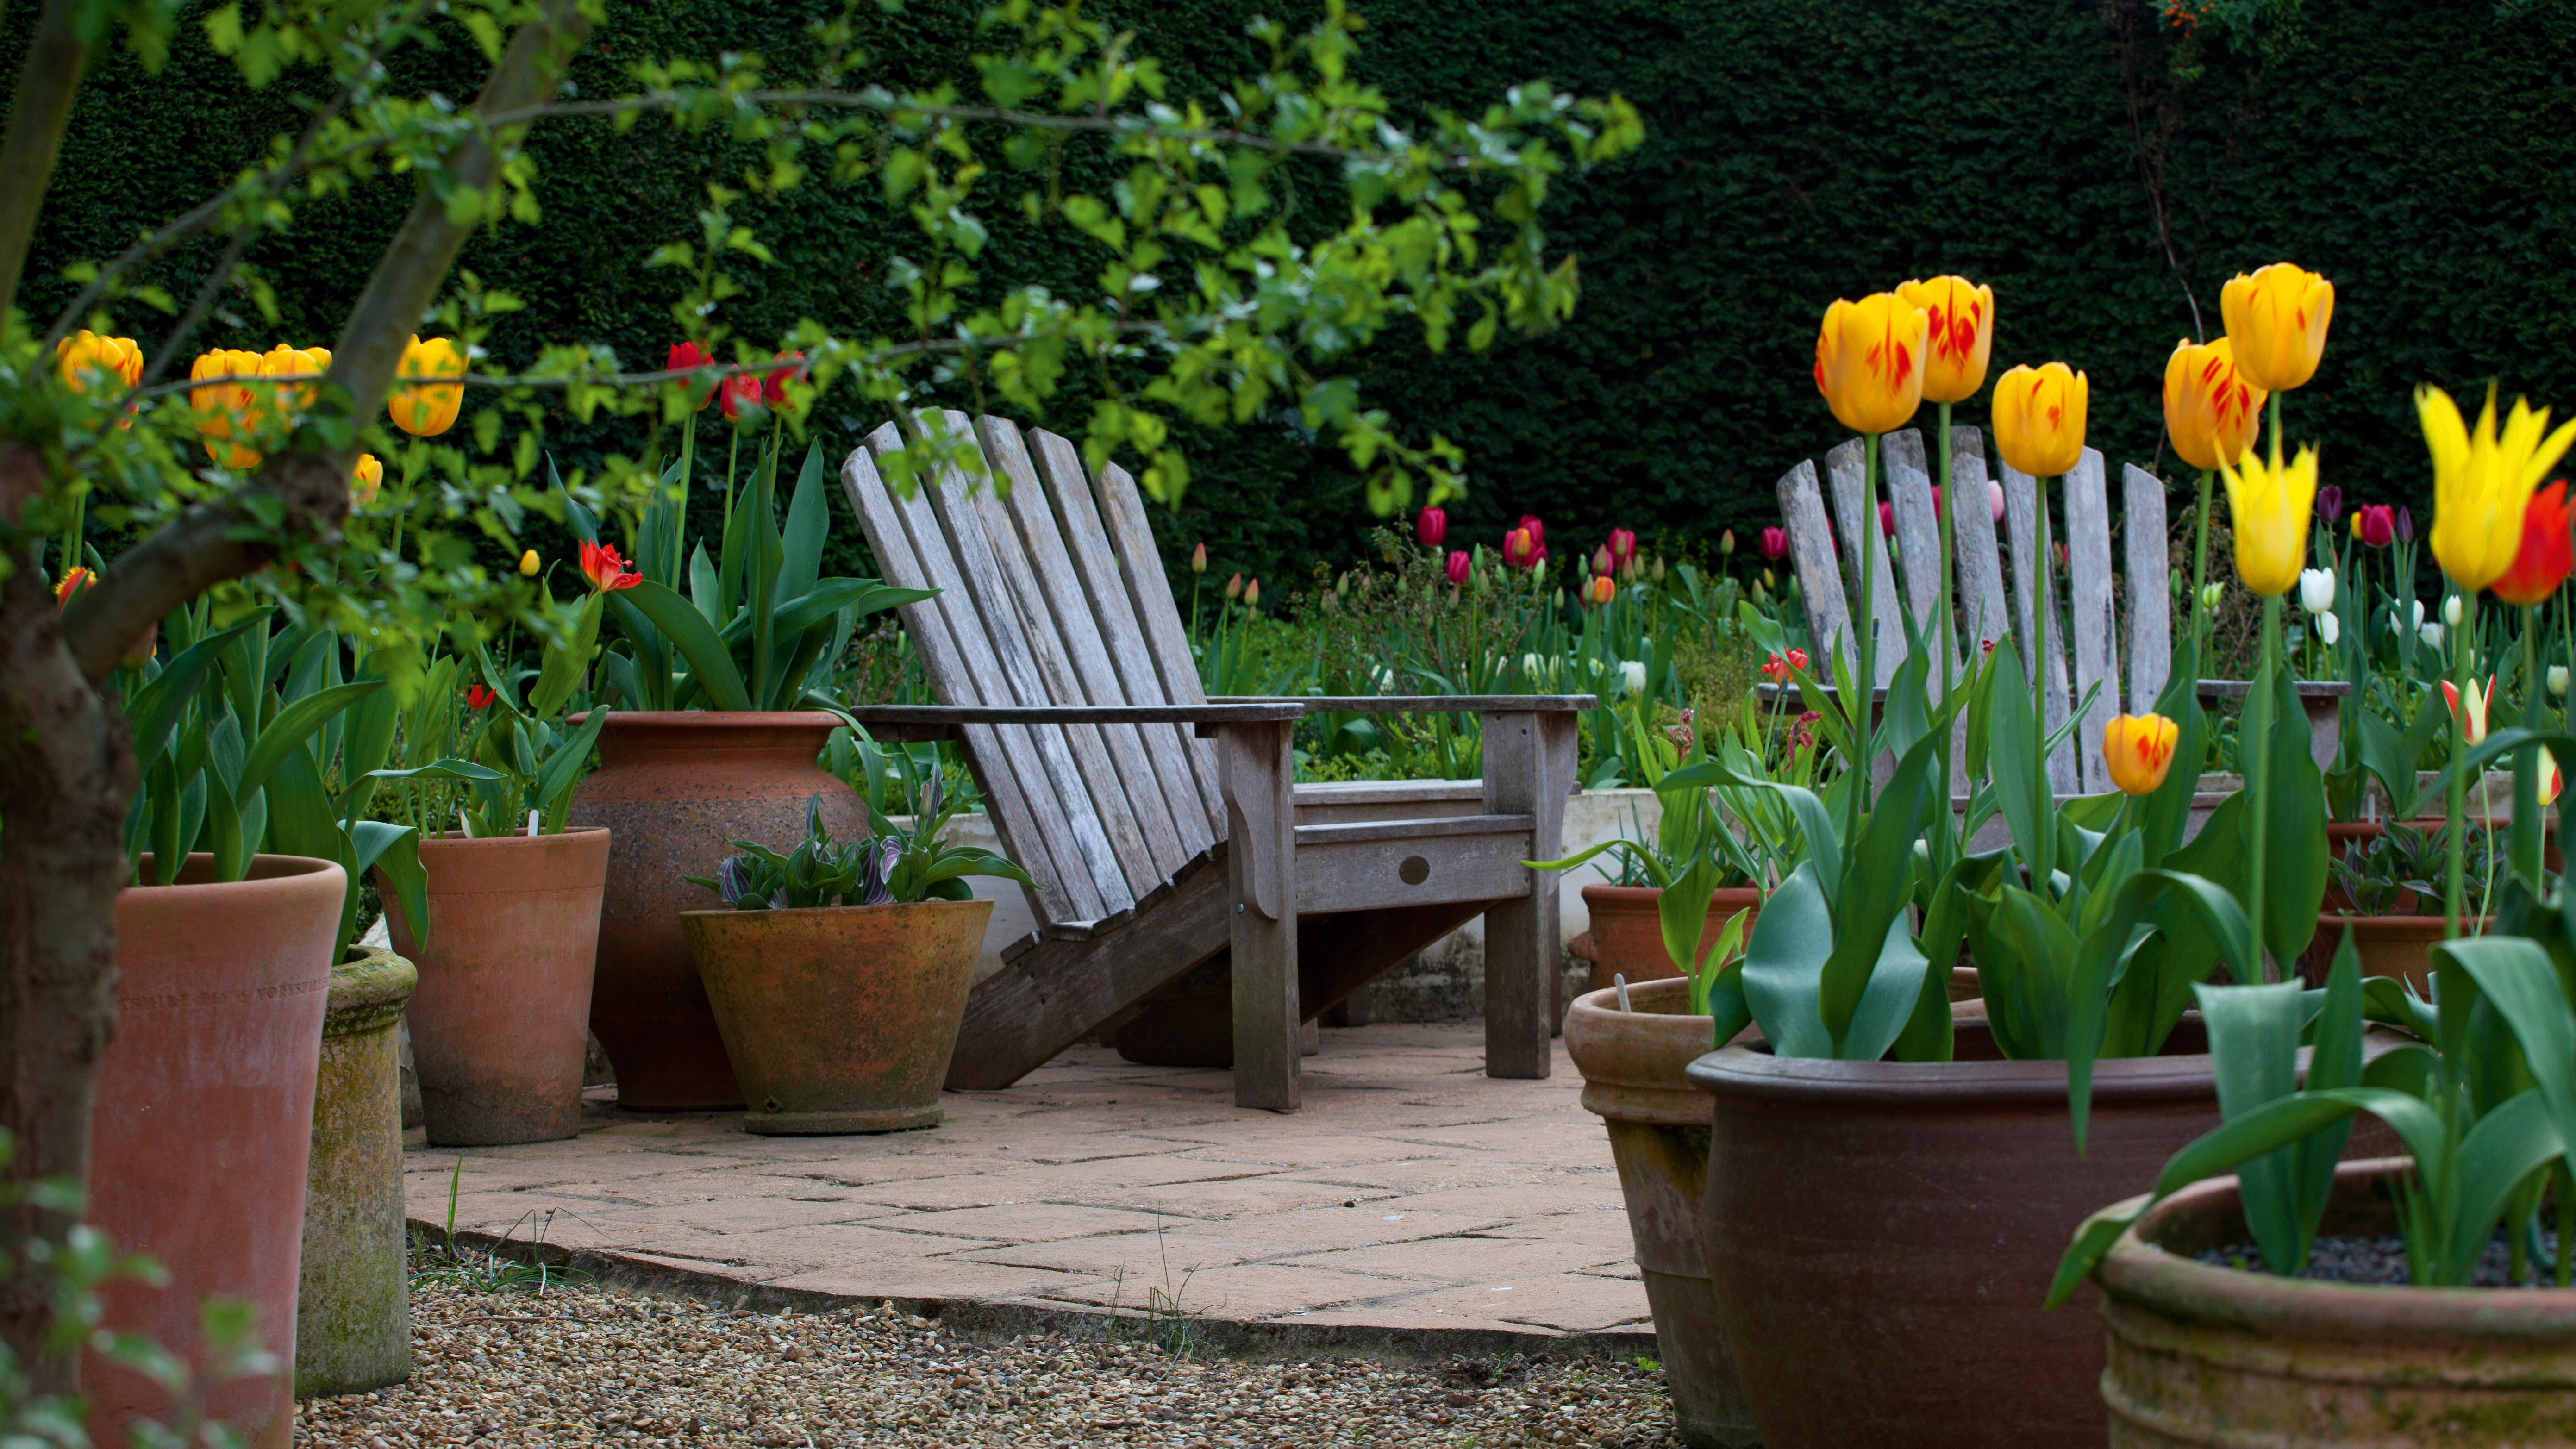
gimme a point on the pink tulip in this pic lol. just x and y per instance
(1457, 566)
(1431, 527)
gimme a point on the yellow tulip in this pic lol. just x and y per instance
(2269, 506)
(2482, 482)
(2139, 749)
(225, 409)
(1960, 318)
(87, 355)
(1869, 361)
(528, 564)
(2277, 320)
(364, 480)
(287, 363)
(2039, 418)
(2210, 408)
(429, 409)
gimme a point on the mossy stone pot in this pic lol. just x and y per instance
(353, 1301)
(839, 1019)
(675, 788)
(2204, 1355)
(1634, 1064)
(204, 1127)
(1880, 1235)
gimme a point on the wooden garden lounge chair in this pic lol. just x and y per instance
(1165, 832)
(1982, 612)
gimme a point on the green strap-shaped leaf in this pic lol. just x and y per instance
(564, 663)
(1782, 963)
(399, 867)
(860, 596)
(2105, 946)
(156, 708)
(567, 764)
(658, 609)
(294, 725)
(809, 527)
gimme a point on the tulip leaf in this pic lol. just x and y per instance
(651, 607)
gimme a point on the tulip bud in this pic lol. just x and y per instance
(1995, 498)
(1234, 588)
(2405, 524)
(1556, 598)
(1775, 544)
(1431, 527)
(1601, 559)
(1726, 544)
(1770, 578)
(2451, 611)
(1457, 566)
(2558, 680)
(1198, 558)
(2210, 594)
(2329, 501)
(1623, 545)
(365, 477)
(528, 564)
(1252, 594)
(1657, 568)
(1887, 519)
(2431, 635)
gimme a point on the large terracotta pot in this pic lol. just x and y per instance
(353, 1300)
(2203, 1355)
(1628, 933)
(674, 788)
(1633, 1064)
(502, 1016)
(204, 1124)
(840, 1018)
(1880, 1235)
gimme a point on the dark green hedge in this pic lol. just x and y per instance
(1799, 150)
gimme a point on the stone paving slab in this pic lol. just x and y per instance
(1412, 1197)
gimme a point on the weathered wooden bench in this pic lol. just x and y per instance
(2091, 613)
(1163, 831)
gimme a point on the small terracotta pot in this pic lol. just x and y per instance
(204, 1125)
(840, 1018)
(1880, 1235)
(1633, 1064)
(502, 1016)
(674, 788)
(2200, 1354)
(1628, 931)
(2387, 945)
(353, 1302)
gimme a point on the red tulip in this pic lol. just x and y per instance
(605, 569)
(75, 579)
(773, 388)
(1775, 543)
(1457, 566)
(1623, 546)
(2378, 526)
(2547, 550)
(1431, 526)
(479, 697)
(738, 394)
(690, 354)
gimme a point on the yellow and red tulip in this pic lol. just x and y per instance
(2473, 719)
(601, 565)
(86, 358)
(2139, 749)
(2547, 554)
(364, 480)
(2210, 407)
(2039, 418)
(225, 409)
(2269, 505)
(2482, 481)
(1959, 335)
(1869, 361)
(2277, 320)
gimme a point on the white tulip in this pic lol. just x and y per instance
(2329, 628)
(2451, 611)
(2432, 634)
(2316, 590)
(1632, 677)
(2558, 680)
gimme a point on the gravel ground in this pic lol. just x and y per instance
(581, 1365)
(2360, 1258)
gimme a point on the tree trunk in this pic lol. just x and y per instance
(66, 776)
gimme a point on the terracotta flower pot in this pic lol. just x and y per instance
(1628, 933)
(840, 1018)
(1633, 1064)
(1880, 1235)
(2200, 1354)
(353, 1302)
(500, 1020)
(674, 788)
(2387, 945)
(204, 1125)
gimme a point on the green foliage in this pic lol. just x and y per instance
(902, 863)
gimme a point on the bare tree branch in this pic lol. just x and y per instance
(48, 79)
(213, 542)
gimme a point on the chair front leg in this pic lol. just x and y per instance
(1256, 774)
(1529, 767)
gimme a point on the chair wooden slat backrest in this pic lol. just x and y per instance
(2090, 612)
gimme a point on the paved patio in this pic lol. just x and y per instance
(1413, 1201)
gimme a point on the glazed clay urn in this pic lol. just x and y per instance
(840, 1018)
(353, 1302)
(1880, 1235)
(2203, 1354)
(1628, 932)
(204, 1126)
(501, 1018)
(674, 788)
(1634, 1063)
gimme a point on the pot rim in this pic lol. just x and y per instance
(2390, 919)
(1606, 892)
(266, 870)
(1744, 1072)
(458, 837)
(2138, 1272)
(827, 910)
(677, 719)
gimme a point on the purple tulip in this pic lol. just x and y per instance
(2405, 525)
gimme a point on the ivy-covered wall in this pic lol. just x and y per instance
(2103, 174)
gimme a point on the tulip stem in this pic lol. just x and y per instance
(2276, 429)
(2043, 608)
(1860, 714)
(2527, 829)
(2457, 788)
(2253, 740)
(1942, 502)
(680, 509)
(2200, 587)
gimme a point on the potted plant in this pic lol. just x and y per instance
(504, 928)
(838, 973)
(716, 737)
(2383, 897)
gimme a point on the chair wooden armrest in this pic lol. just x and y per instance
(1423, 703)
(942, 721)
